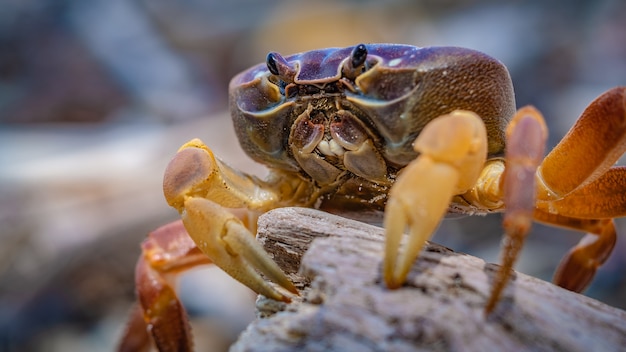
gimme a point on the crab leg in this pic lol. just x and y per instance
(589, 209)
(579, 266)
(452, 151)
(603, 198)
(578, 183)
(595, 142)
(135, 337)
(201, 188)
(165, 253)
(526, 139)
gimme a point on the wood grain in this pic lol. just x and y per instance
(345, 306)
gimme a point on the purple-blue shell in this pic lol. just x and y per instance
(325, 65)
(402, 89)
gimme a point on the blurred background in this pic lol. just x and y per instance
(96, 96)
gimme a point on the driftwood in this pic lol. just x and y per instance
(344, 305)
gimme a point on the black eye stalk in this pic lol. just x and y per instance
(356, 64)
(271, 63)
(279, 67)
(359, 54)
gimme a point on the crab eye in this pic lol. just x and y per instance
(358, 56)
(355, 64)
(282, 70)
(272, 66)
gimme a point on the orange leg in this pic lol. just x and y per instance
(590, 209)
(136, 337)
(581, 189)
(526, 137)
(603, 198)
(579, 265)
(595, 142)
(165, 253)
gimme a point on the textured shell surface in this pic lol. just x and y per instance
(398, 90)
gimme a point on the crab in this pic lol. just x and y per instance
(391, 133)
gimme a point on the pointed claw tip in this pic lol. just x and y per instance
(278, 296)
(391, 283)
(292, 288)
(272, 291)
(289, 286)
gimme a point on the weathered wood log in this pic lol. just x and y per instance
(345, 305)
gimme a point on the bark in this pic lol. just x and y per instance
(345, 306)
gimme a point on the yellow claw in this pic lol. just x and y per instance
(453, 149)
(230, 245)
(201, 188)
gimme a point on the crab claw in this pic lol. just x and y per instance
(453, 150)
(201, 188)
(231, 246)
